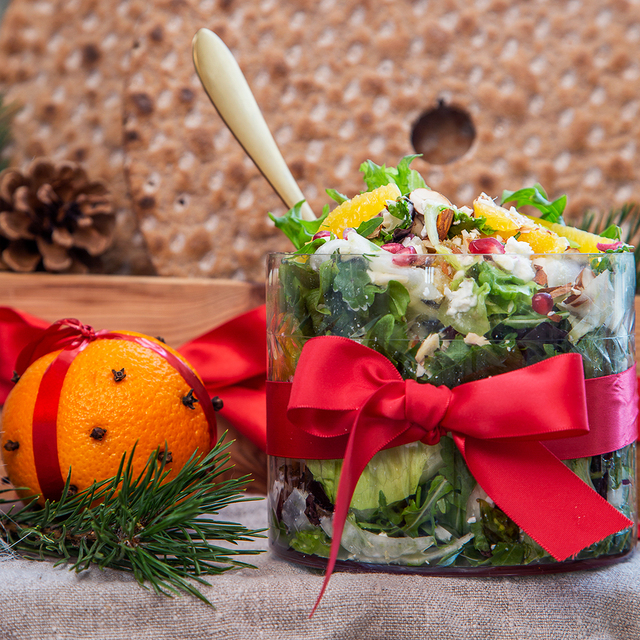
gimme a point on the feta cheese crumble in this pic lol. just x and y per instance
(516, 259)
(462, 299)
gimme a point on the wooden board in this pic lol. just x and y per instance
(178, 309)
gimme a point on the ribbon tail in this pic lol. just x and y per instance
(351, 471)
(541, 495)
(365, 440)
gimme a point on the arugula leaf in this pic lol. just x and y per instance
(480, 541)
(399, 299)
(312, 542)
(310, 247)
(613, 231)
(367, 227)
(507, 553)
(337, 196)
(379, 336)
(463, 363)
(536, 197)
(299, 231)
(317, 309)
(407, 179)
(458, 475)
(352, 281)
(416, 515)
(401, 210)
(498, 527)
(604, 354)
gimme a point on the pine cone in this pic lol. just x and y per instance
(53, 218)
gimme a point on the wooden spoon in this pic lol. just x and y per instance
(230, 94)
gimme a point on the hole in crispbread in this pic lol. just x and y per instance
(443, 134)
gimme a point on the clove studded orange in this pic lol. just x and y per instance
(116, 393)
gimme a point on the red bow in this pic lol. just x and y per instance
(343, 389)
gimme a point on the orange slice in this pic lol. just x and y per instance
(544, 240)
(587, 242)
(504, 221)
(359, 209)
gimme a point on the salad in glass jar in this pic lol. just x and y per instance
(448, 295)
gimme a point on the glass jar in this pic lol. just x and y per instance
(448, 320)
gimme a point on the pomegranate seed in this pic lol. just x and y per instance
(322, 234)
(393, 247)
(603, 246)
(542, 303)
(486, 245)
(405, 257)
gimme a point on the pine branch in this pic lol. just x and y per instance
(627, 218)
(163, 533)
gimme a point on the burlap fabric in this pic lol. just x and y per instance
(273, 601)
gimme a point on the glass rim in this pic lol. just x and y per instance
(458, 255)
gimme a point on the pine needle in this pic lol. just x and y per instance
(165, 534)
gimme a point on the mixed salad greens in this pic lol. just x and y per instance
(447, 298)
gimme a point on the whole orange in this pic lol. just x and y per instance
(116, 394)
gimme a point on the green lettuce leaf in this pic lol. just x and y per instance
(395, 472)
(370, 547)
(353, 283)
(508, 294)
(407, 179)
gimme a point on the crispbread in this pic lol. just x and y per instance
(548, 87)
(63, 61)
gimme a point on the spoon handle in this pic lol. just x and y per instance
(230, 94)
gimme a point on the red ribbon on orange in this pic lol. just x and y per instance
(353, 399)
(71, 337)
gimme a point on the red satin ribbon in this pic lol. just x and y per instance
(17, 329)
(72, 337)
(354, 397)
(612, 407)
(231, 360)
